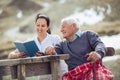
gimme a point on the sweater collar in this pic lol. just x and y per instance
(76, 35)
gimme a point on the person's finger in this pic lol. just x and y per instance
(22, 53)
(91, 56)
(23, 56)
(94, 57)
(39, 54)
(49, 50)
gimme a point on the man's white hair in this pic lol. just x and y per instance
(71, 20)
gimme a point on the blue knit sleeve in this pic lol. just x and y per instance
(58, 48)
(96, 43)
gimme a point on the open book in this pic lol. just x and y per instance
(28, 47)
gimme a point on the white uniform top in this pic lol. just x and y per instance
(51, 40)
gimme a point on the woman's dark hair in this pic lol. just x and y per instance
(47, 20)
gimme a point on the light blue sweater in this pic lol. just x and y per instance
(77, 49)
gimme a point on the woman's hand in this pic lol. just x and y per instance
(39, 54)
(16, 54)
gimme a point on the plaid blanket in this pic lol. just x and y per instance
(85, 72)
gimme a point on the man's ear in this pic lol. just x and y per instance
(74, 25)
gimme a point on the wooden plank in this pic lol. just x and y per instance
(5, 70)
(55, 70)
(33, 69)
(11, 62)
(38, 69)
(32, 66)
(21, 72)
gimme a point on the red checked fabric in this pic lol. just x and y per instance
(85, 72)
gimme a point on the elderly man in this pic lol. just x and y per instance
(81, 46)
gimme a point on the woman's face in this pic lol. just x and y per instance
(41, 26)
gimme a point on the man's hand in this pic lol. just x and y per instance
(93, 57)
(49, 50)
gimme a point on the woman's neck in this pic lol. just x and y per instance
(41, 37)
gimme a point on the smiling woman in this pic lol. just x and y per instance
(43, 39)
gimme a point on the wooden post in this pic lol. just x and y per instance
(55, 70)
(21, 72)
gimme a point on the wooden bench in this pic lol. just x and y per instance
(32, 66)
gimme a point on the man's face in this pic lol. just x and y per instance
(67, 30)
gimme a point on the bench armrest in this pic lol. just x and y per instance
(110, 51)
